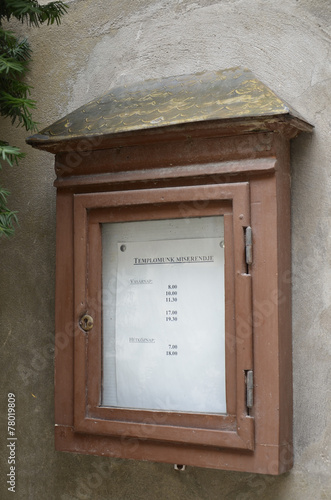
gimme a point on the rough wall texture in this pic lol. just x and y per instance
(102, 44)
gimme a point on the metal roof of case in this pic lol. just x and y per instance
(214, 95)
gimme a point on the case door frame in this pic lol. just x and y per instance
(236, 428)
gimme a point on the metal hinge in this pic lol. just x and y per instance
(249, 388)
(249, 245)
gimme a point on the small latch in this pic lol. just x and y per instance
(249, 245)
(249, 388)
(179, 467)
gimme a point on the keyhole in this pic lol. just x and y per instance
(86, 322)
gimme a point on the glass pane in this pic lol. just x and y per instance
(163, 315)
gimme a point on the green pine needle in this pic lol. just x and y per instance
(33, 13)
(9, 154)
(15, 103)
(8, 218)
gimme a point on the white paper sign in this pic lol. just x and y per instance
(169, 325)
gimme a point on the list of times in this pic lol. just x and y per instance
(169, 326)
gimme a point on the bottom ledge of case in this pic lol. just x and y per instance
(266, 459)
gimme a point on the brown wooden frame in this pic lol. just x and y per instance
(236, 429)
(108, 186)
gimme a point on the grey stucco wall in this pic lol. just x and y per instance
(99, 45)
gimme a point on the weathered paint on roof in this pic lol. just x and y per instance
(214, 95)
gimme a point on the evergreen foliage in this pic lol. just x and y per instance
(15, 101)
